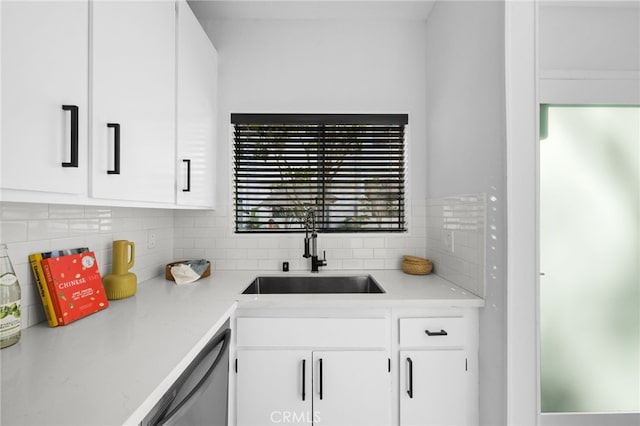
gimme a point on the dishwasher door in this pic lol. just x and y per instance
(199, 396)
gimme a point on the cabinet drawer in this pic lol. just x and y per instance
(432, 332)
(312, 332)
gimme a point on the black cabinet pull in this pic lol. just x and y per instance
(188, 188)
(116, 149)
(304, 385)
(74, 135)
(436, 333)
(410, 366)
(321, 374)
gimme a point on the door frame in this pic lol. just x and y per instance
(525, 92)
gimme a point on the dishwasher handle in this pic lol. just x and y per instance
(226, 339)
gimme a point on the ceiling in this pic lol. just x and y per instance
(312, 9)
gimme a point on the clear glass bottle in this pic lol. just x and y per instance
(9, 301)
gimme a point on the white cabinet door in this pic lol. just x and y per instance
(351, 388)
(433, 388)
(196, 112)
(133, 69)
(44, 66)
(273, 386)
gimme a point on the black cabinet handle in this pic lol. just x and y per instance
(116, 149)
(74, 135)
(321, 374)
(410, 366)
(304, 372)
(188, 188)
(436, 333)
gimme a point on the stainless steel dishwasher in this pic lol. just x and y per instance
(199, 397)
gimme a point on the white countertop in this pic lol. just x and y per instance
(111, 368)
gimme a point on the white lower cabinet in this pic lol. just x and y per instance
(328, 370)
(433, 388)
(351, 388)
(313, 371)
(296, 387)
(437, 370)
(273, 387)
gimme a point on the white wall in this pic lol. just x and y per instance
(589, 52)
(466, 155)
(320, 66)
(314, 66)
(596, 36)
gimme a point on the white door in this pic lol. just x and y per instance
(273, 387)
(351, 388)
(590, 274)
(44, 96)
(133, 68)
(196, 112)
(433, 388)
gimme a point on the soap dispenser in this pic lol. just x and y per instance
(121, 283)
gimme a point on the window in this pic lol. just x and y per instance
(349, 168)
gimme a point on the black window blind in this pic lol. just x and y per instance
(349, 168)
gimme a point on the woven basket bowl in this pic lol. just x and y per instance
(416, 266)
(169, 276)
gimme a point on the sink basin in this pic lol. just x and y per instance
(313, 284)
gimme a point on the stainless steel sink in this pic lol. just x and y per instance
(313, 284)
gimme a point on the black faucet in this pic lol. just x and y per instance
(315, 262)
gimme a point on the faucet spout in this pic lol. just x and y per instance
(312, 240)
(309, 216)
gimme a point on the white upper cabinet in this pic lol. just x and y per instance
(107, 102)
(44, 97)
(196, 112)
(133, 101)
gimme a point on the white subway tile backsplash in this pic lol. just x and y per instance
(343, 251)
(97, 212)
(243, 264)
(380, 253)
(352, 264)
(47, 229)
(456, 240)
(29, 228)
(374, 264)
(363, 253)
(24, 211)
(268, 243)
(133, 223)
(327, 243)
(270, 265)
(13, 231)
(66, 212)
(373, 243)
(256, 254)
(84, 226)
(353, 243)
(204, 221)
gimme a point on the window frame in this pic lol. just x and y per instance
(326, 220)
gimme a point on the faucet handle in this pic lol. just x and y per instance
(323, 262)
